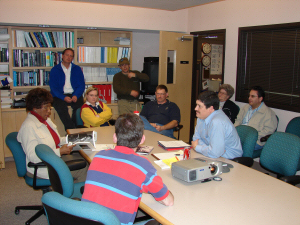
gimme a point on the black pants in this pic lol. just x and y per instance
(61, 108)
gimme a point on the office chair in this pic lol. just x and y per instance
(36, 183)
(248, 136)
(281, 155)
(61, 210)
(293, 126)
(257, 153)
(59, 173)
(177, 129)
(79, 121)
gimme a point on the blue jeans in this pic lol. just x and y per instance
(148, 126)
(258, 147)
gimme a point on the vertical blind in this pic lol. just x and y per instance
(269, 56)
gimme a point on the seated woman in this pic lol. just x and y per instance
(94, 113)
(39, 129)
(229, 108)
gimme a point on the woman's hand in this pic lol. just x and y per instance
(65, 149)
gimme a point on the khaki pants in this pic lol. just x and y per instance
(128, 106)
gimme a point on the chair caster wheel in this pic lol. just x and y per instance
(17, 211)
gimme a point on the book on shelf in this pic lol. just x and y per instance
(83, 140)
(47, 39)
(173, 145)
(144, 149)
(31, 78)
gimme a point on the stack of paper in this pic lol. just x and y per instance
(173, 145)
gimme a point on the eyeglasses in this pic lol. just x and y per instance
(222, 93)
(46, 107)
(252, 96)
(160, 93)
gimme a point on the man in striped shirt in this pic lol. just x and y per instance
(117, 177)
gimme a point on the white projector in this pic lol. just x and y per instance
(196, 169)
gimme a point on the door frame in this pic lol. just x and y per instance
(196, 80)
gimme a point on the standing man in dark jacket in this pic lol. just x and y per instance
(67, 86)
(126, 85)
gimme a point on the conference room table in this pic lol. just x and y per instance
(244, 196)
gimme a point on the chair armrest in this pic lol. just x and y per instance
(178, 127)
(35, 166)
(265, 138)
(293, 180)
(246, 161)
(40, 164)
(76, 164)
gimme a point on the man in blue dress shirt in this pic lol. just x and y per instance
(215, 136)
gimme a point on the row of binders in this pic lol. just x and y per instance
(99, 74)
(102, 54)
(106, 92)
(36, 58)
(31, 78)
(59, 39)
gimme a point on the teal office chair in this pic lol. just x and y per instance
(36, 183)
(59, 173)
(248, 136)
(281, 155)
(79, 121)
(257, 153)
(293, 126)
(61, 210)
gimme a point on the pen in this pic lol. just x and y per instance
(176, 158)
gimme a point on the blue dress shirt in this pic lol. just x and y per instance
(217, 137)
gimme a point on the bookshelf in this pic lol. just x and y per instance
(22, 50)
(34, 51)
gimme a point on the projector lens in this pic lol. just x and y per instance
(213, 169)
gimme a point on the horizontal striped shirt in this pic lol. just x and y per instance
(117, 178)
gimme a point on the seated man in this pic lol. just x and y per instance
(161, 115)
(257, 115)
(215, 136)
(117, 177)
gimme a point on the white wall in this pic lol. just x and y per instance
(144, 44)
(70, 13)
(232, 14)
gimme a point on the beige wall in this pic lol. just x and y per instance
(232, 14)
(90, 14)
(229, 15)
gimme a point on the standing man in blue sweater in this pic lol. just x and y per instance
(67, 86)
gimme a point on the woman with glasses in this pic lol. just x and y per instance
(229, 108)
(39, 129)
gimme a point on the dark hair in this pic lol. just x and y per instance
(209, 98)
(67, 50)
(228, 88)
(37, 97)
(260, 91)
(161, 86)
(129, 129)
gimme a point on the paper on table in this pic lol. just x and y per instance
(100, 147)
(173, 144)
(166, 163)
(167, 155)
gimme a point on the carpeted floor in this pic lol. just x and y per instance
(15, 192)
